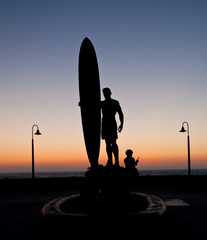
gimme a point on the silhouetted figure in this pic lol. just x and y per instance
(129, 160)
(109, 126)
(131, 170)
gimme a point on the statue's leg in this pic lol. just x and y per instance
(109, 152)
(115, 150)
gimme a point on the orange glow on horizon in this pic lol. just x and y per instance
(76, 163)
(71, 156)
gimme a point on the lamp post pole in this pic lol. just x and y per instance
(37, 133)
(188, 142)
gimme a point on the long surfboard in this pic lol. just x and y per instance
(89, 91)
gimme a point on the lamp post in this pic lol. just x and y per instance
(37, 133)
(188, 141)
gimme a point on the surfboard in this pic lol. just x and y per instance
(90, 96)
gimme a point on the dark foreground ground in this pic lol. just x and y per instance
(21, 202)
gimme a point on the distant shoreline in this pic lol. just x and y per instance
(68, 183)
(66, 174)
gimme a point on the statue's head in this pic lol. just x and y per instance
(129, 152)
(106, 93)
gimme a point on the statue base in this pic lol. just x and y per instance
(106, 193)
(73, 207)
(106, 207)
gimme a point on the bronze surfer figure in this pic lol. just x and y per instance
(109, 126)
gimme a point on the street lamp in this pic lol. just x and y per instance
(188, 141)
(37, 133)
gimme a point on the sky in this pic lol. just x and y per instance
(152, 54)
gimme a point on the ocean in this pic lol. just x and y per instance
(64, 174)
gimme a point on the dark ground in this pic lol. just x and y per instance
(21, 202)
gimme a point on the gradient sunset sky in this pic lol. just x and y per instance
(151, 53)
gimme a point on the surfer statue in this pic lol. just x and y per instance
(91, 106)
(109, 126)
